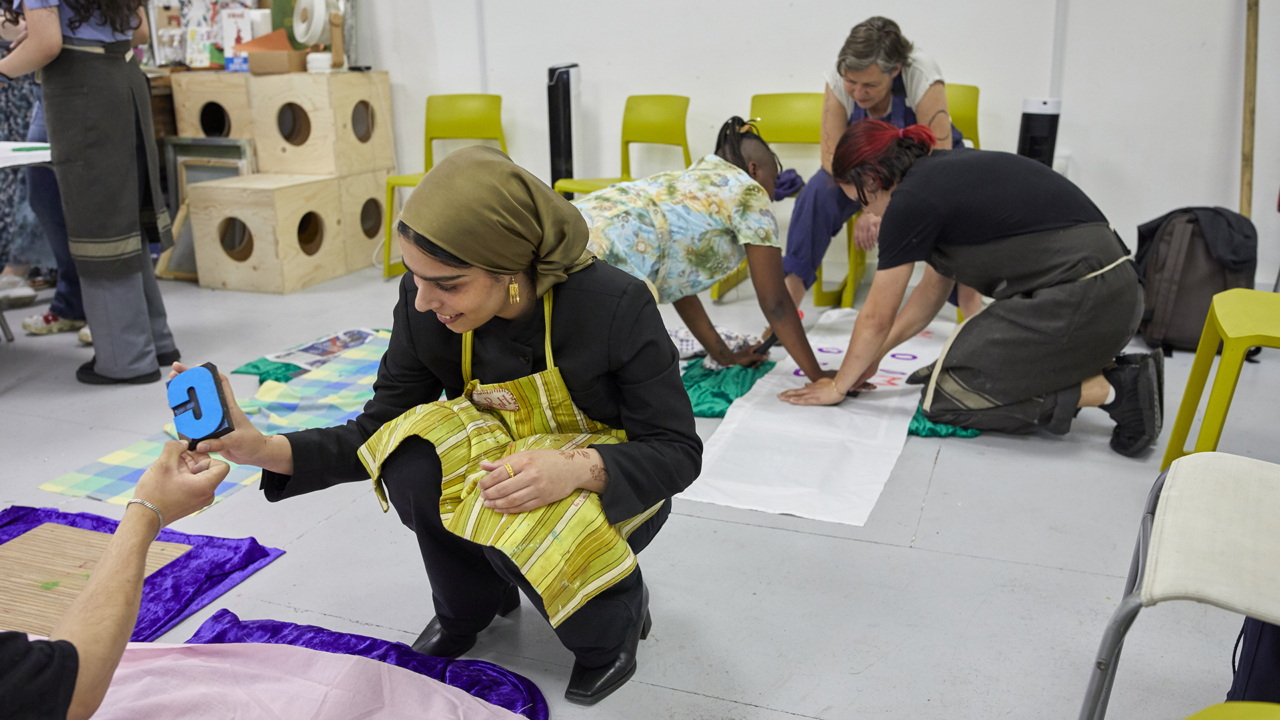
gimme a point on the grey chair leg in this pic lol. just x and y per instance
(1104, 665)
(4, 325)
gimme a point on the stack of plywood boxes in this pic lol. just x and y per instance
(315, 209)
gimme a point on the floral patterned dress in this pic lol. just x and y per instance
(680, 231)
(21, 240)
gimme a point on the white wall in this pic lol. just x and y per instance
(1151, 88)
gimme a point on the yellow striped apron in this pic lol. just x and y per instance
(567, 550)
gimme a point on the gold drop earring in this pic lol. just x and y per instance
(513, 291)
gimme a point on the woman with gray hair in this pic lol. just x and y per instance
(879, 75)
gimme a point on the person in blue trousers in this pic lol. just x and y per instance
(879, 75)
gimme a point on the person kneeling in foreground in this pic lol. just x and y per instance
(68, 674)
(565, 434)
(685, 230)
(1067, 296)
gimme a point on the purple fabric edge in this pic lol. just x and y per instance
(484, 680)
(173, 593)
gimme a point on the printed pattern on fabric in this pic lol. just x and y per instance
(567, 550)
(681, 230)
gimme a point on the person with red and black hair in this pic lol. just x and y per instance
(1067, 297)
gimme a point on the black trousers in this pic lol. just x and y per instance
(468, 580)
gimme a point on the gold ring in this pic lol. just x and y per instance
(510, 473)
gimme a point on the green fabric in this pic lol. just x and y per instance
(712, 391)
(924, 427)
(269, 370)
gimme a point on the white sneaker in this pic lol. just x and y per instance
(48, 324)
(85, 336)
(15, 292)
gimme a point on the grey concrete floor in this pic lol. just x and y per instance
(978, 588)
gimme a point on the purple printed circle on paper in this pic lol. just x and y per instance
(903, 356)
(830, 351)
(798, 373)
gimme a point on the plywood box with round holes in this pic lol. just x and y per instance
(363, 218)
(322, 123)
(213, 104)
(268, 233)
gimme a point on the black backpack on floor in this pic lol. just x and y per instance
(1185, 258)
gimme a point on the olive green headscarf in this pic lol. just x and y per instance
(495, 215)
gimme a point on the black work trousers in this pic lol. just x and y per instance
(468, 580)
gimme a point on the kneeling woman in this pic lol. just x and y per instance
(565, 432)
(683, 231)
(1067, 299)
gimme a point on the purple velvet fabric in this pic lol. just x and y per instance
(788, 183)
(173, 593)
(491, 683)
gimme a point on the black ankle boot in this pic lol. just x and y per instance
(438, 642)
(588, 686)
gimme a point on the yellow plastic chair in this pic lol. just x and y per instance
(449, 117)
(1239, 711)
(962, 103)
(1239, 319)
(780, 118)
(651, 119)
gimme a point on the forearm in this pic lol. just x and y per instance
(101, 619)
(783, 319)
(869, 335)
(277, 455)
(43, 43)
(915, 316)
(695, 318)
(591, 472)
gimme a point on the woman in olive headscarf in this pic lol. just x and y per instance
(565, 433)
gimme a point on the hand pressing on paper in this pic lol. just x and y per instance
(540, 477)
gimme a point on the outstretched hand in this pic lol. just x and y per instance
(822, 392)
(181, 482)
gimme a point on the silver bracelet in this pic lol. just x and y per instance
(153, 507)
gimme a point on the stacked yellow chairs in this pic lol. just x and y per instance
(1238, 320)
(650, 119)
(449, 117)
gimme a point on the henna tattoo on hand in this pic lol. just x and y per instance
(572, 454)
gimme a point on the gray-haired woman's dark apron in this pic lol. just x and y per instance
(97, 106)
(1067, 302)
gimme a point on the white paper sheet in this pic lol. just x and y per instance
(825, 463)
(14, 154)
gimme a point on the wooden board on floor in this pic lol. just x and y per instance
(44, 569)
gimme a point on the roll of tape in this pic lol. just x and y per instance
(311, 20)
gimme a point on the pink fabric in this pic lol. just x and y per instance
(277, 681)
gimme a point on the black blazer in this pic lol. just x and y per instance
(612, 350)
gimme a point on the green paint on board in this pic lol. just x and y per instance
(50, 585)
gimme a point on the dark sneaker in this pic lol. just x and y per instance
(1136, 408)
(1137, 359)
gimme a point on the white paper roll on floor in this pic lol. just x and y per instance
(311, 20)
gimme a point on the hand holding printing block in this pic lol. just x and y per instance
(240, 442)
(199, 407)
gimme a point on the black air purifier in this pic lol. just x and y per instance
(562, 92)
(1039, 132)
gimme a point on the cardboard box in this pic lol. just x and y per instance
(276, 62)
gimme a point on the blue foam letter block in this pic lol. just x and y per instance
(199, 407)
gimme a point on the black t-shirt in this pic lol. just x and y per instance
(36, 678)
(972, 197)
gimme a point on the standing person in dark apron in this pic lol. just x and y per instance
(97, 106)
(1067, 297)
(565, 432)
(879, 75)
